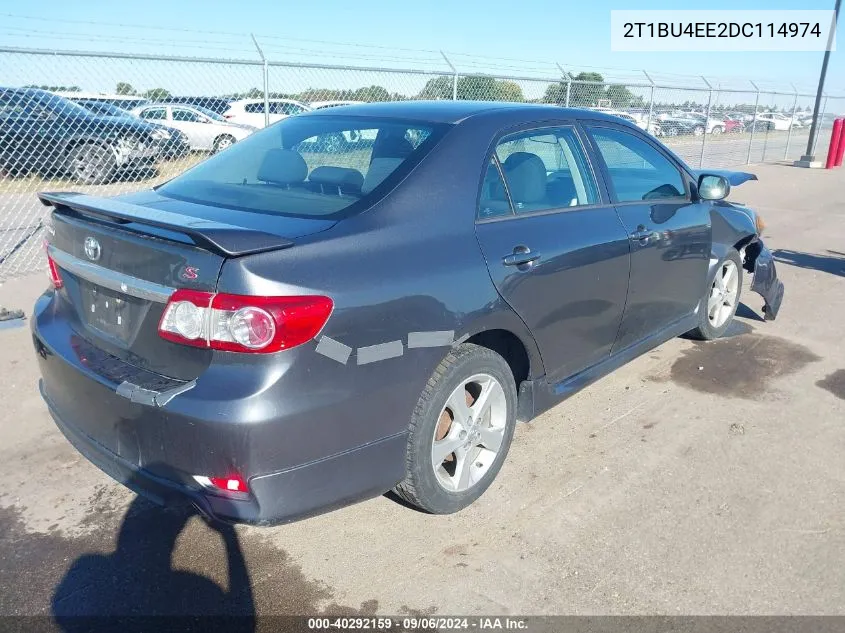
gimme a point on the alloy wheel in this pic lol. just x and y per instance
(723, 294)
(469, 433)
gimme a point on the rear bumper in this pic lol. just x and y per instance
(275, 498)
(299, 460)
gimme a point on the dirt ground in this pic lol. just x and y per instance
(698, 479)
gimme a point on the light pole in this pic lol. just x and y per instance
(808, 159)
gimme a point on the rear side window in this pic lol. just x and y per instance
(546, 169)
(185, 115)
(154, 114)
(493, 201)
(309, 166)
(637, 170)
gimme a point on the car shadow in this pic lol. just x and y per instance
(123, 590)
(834, 263)
(744, 312)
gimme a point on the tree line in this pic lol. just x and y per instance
(588, 89)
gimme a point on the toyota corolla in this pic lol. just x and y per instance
(294, 325)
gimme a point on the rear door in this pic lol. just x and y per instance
(669, 232)
(200, 133)
(555, 247)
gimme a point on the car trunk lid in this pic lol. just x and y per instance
(120, 259)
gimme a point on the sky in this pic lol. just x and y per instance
(519, 38)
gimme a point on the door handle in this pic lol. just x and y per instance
(521, 256)
(642, 235)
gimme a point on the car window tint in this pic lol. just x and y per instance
(157, 114)
(546, 169)
(493, 201)
(256, 108)
(185, 115)
(637, 170)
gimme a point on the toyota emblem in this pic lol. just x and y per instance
(92, 249)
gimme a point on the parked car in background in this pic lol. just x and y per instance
(773, 121)
(638, 120)
(44, 133)
(319, 105)
(711, 125)
(251, 111)
(733, 125)
(275, 333)
(173, 145)
(679, 123)
(205, 130)
(215, 104)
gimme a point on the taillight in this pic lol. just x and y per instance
(241, 323)
(53, 270)
(228, 116)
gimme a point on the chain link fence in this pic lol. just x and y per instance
(183, 109)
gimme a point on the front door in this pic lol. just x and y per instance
(669, 233)
(556, 250)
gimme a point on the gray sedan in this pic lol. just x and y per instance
(292, 326)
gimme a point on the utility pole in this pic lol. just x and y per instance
(809, 159)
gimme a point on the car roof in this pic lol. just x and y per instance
(457, 111)
(271, 100)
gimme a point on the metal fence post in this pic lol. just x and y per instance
(454, 77)
(791, 121)
(650, 103)
(266, 74)
(753, 123)
(819, 126)
(706, 121)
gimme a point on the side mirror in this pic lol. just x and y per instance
(713, 187)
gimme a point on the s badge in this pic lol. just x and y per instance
(189, 273)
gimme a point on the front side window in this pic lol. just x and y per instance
(546, 169)
(255, 108)
(308, 166)
(637, 170)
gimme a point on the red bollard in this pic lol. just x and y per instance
(840, 151)
(833, 148)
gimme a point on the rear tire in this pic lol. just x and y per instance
(718, 305)
(717, 130)
(224, 141)
(437, 479)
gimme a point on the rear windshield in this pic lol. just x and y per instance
(308, 166)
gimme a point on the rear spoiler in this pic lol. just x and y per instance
(735, 178)
(224, 239)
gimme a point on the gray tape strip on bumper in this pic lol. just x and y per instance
(382, 351)
(430, 339)
(333, 349)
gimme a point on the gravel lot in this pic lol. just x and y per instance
(698, 479)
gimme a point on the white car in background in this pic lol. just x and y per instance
(775, 121)
(319, 105)
(251, 111)
(206, 130)
(641, 121)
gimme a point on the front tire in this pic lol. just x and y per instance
(460, 431)
(719, 304)
(717, 130)
(92, 164)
